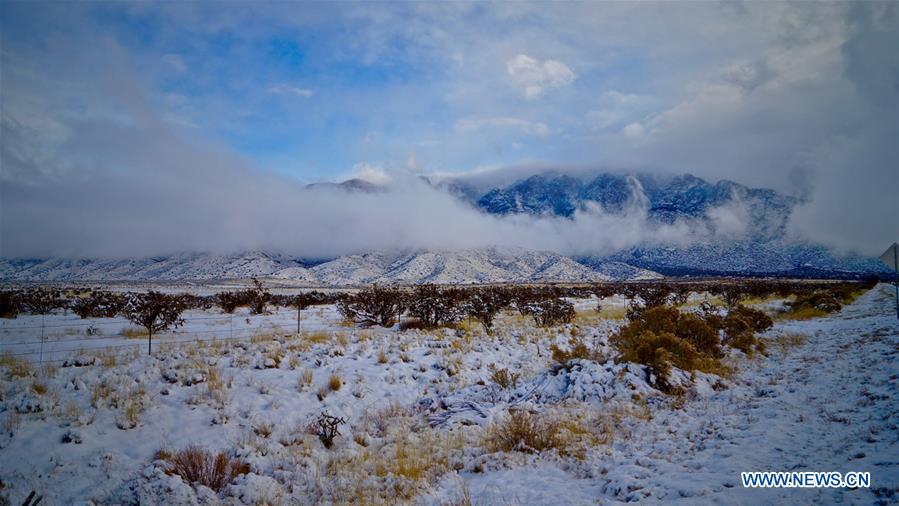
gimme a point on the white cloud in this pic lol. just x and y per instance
(474, 124)
(634, 130)
(535, 77)
(623, 99)
(282, 89)
(370, 173)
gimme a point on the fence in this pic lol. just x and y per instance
(86, 336)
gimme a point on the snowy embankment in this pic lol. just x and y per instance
(827, 405)
(420, 407)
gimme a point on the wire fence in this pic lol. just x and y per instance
(89, 337)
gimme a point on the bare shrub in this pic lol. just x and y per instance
(10, 303)
(197, 466)
(98, 304)
(42, 301)
(228, 301)
(326, 427)
(434, 306)
(374, 306)
(484, 304)
(550, 312)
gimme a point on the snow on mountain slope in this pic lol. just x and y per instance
(491, 265)
(488, 265)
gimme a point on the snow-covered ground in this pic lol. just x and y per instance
(420, 407)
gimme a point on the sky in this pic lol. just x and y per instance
(135, 127)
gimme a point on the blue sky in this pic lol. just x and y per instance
(793, 96)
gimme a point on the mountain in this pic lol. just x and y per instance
(665, 198)
(762, 250)
(749, 258)
(487, 265)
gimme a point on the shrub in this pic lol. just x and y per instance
(484, 304)
(199, 467)
(663, 337)
(659, 352)
(10, 303)
(699, 333)
(524, 432)
(816, 302)
(503, 377)
(435, 307)
(550, 312)
(577, 349)
(326, 427)
(375, 306)
(228, 301)
(98, 304)
(740, 327)
(42, 301)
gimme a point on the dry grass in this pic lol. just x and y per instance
(382, 356)
(263, 429)
(525, 432)
(134, 332)
(786, 341)
(197, 466)
(39, 388)
(304, 380)
(394, 472)
(334, 382)
(503, 377)
(592, 316)
(316, 337)
(17, 367)
(800, 314)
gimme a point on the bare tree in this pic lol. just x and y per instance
(153, 311)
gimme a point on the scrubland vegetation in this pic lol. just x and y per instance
(421, 384)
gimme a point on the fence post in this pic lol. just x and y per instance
(42, 338)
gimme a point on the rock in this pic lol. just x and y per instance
(195, 379)
(72, 436)
(170, 375)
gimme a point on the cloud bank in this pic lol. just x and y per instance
(141, 129)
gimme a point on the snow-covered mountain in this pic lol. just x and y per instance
(763, 250)
(488, 265)
(666, 198)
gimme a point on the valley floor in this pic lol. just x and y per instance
(420, 407)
